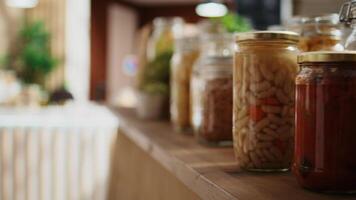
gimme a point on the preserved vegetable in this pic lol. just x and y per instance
(325, 122)
(264, 73)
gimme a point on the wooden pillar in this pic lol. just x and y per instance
(98, 49)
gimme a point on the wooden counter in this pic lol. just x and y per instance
(210, 173)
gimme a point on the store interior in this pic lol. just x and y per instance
(177, 99)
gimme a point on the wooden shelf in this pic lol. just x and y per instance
(211, 173)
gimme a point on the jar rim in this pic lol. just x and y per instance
(216, 36)
(327, 56)
(267, 35)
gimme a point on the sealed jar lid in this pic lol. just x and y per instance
(267, 35)
(327, 56)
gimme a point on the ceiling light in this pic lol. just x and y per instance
(22, 3)
(211, 9)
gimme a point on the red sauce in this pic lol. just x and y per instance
(325, 140)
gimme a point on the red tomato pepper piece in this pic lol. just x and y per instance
(256, 113)
(270, 101)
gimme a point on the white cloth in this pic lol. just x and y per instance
(72, 115)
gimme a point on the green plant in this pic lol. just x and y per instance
(155, 77)
(234, 23)
(32, 59)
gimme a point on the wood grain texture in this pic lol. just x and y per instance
(137, 176)
(211, 173)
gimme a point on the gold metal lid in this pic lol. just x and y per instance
(327, 56)
(267, 35)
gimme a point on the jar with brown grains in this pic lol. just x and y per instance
(212, 91)
(185, 54)
(263, 126)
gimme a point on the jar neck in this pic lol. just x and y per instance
(186, 45)
(217, 46)
(271, 44)
(173, 27)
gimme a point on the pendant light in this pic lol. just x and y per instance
(212, 8)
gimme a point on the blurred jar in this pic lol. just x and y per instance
(163, 34)
(186, 52)
(348, 16)
(317, 33)
(211, 90)
(264, 72)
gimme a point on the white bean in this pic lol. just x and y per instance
(266, 73)
(276, 152)
(268, 155)
(271, 109)
(265, 137)
(256, 161)
(241, 123)
(261, 124)
(258, 87)
(242, 113)
(281, 97)
(269, 132)
(264, 94)
(277, 120)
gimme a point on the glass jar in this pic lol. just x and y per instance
(318, 33)
(185, 54)
(348, 16)
(263, 124)
(325, 121)
(165, 30)
(211, 91)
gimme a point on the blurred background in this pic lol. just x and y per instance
(91, 47)
(117, 25)
(62, 62)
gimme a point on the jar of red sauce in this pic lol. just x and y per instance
(325, 133)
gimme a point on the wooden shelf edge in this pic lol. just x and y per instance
(206, 188)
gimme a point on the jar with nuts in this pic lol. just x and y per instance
(317, 32)
(265, 67)
(185, 54)
(211, 90)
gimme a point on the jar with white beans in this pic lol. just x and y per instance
(265, 67)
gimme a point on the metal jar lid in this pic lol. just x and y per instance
(267, 35)
(348, 12)
(327, 56)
